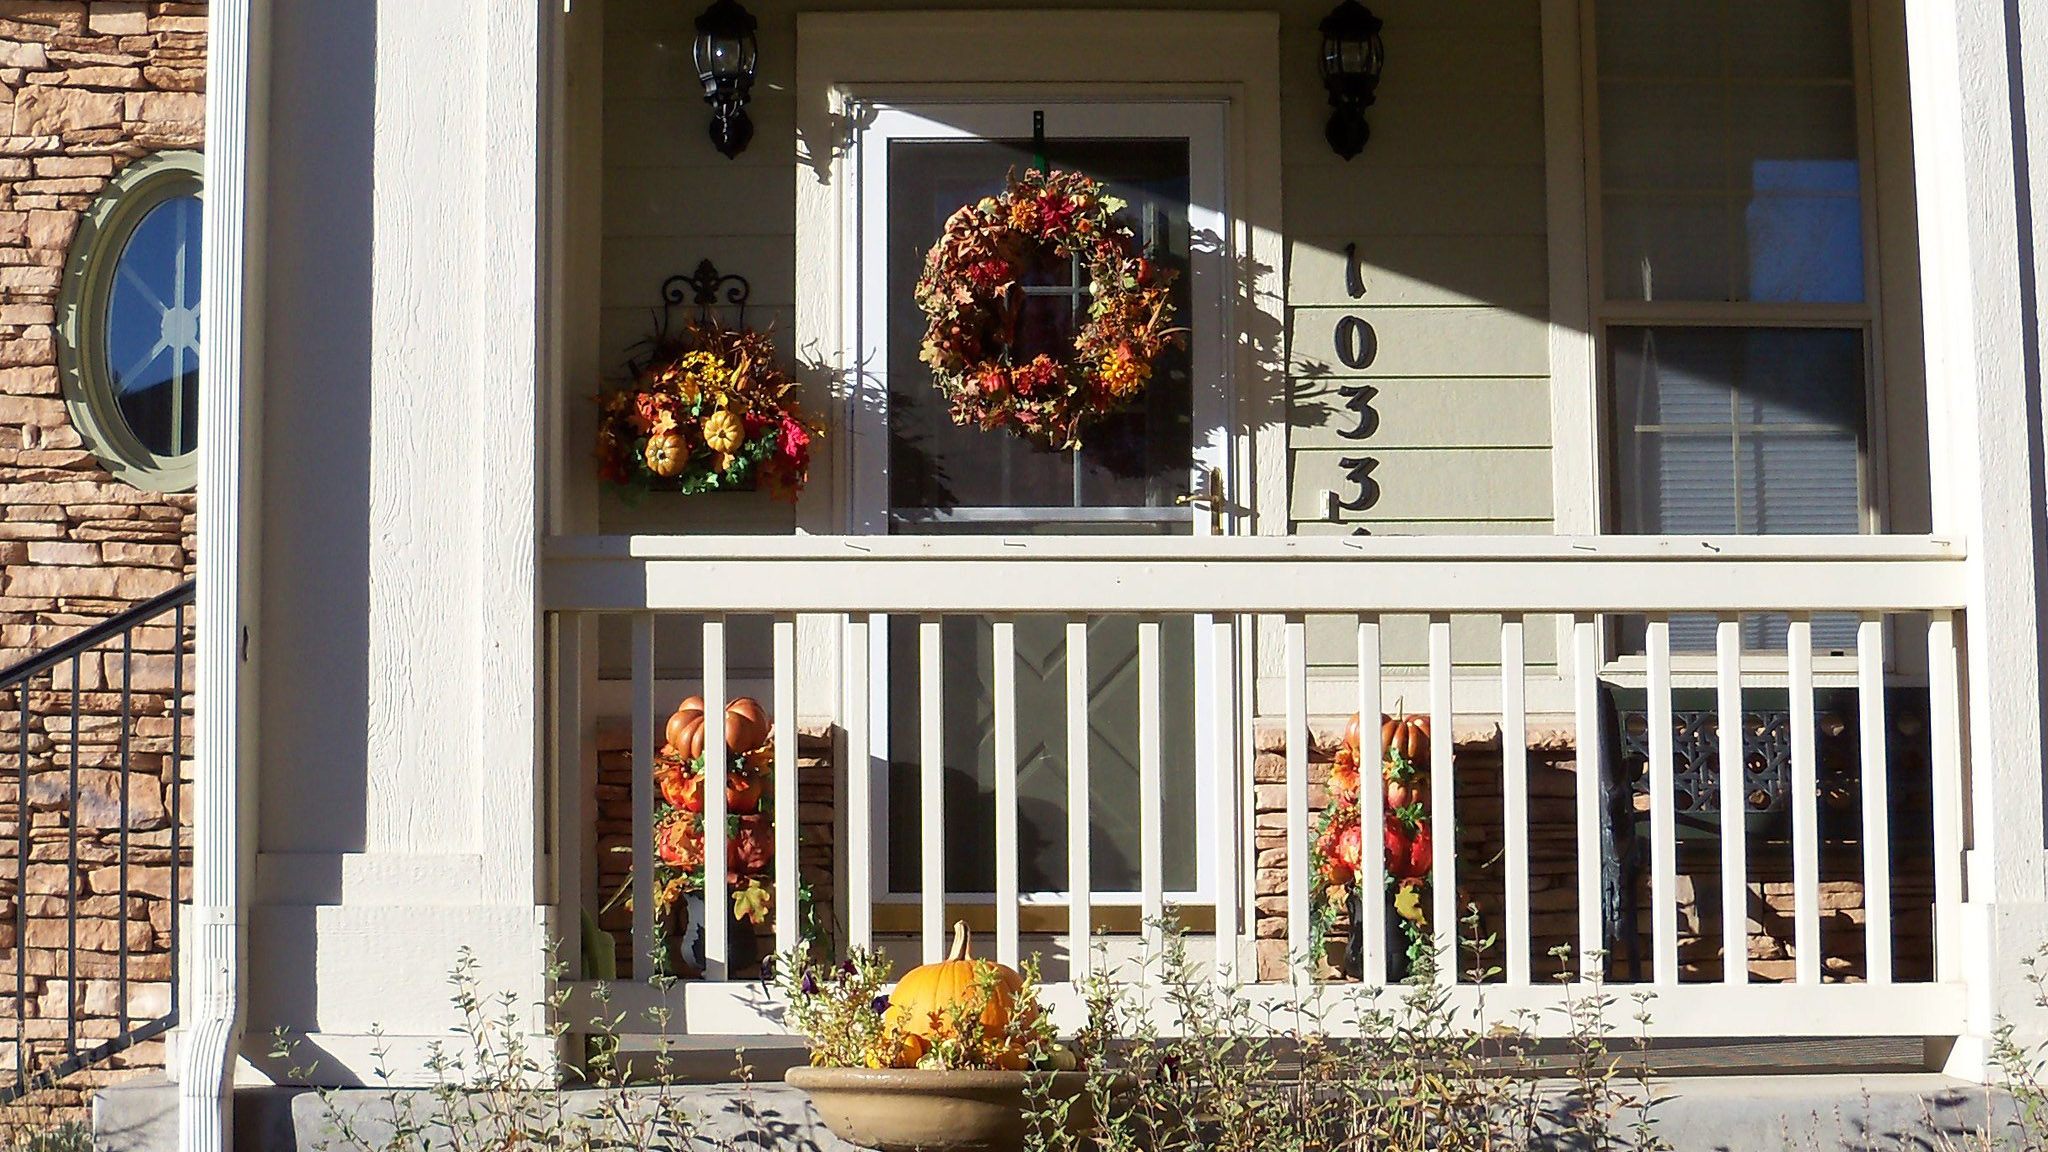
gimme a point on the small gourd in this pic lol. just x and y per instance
(927, 997)
(724, 431)
(666, 455)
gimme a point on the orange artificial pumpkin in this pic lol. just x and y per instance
(666, 454)
(1350, 741)
(724, 431)
(1408, 849)
(1403, 791)
(926, 998)
(746, 727)
(1405, 736)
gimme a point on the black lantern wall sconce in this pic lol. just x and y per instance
(1352, 56)
(726, 53)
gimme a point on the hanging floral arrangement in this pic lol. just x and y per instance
(709, 411)
(1404, 831)
(972, 289)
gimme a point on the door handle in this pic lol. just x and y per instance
(1209, 500)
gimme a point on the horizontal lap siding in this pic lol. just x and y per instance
(1448, 421)
(1446, 207)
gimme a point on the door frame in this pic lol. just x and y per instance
(1204, 124)
(846, 61)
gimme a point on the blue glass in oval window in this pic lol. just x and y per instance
(152, 328)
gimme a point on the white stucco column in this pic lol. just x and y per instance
(1969, 122)
(401, 765)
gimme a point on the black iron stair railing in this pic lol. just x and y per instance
(100, 674)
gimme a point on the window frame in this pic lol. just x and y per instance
(94, 258)
(1605, 314)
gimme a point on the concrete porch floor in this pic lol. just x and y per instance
(1827, 1112)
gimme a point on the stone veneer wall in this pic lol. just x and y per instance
(1553, 921)
(84, 89)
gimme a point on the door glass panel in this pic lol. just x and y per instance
(940, 473)
(1042, 754)
(1125, 478)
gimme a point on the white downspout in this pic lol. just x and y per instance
(231, 280)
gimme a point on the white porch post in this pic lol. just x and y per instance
(1969, 110)
(224, 687)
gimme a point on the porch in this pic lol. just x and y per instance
(1396, 472)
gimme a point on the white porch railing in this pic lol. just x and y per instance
(1898, 591)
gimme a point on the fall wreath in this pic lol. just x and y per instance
(972, 290)
(709, 410)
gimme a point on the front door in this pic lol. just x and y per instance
(918, 473)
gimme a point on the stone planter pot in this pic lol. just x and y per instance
(921, 1110)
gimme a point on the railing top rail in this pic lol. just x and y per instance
(97, 635)
(1346, 549)
(999, 574)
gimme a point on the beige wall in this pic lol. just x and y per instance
(1446, 206)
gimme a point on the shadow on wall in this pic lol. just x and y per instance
(316, 455)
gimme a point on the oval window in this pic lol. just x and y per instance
(128, 323)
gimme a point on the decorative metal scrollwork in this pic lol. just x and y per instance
(707, 290)
(701, 288)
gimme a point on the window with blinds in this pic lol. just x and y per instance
(1733, 300)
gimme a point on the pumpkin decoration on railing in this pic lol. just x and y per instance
(709, 410)
(972, 292)
(1405, 836)
(679, 779)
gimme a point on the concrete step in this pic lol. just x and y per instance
(1891, 1112)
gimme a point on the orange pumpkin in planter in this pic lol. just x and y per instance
(746, 727)
(927, 997)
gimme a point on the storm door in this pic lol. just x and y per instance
(918, 473)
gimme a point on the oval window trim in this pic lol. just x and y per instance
(82, 316)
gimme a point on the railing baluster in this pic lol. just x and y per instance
(1298, 878)
(931, 781)
(1008, 947)
(717, 887)
(1443, 817)
(1877, 835)
(1805, 805)
(1729, 727)
(1223, 666)
(1151, 795)
(575, 816)
(788, 814)
(644, 720)
(1586, 769)
(22, 816)
(1945, 737)
(177, 766)
(121, 902)
(1514, 758)
(1663, 808)
(1080, 822)
(71, 997)
(860, 781)
(1369, 935)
